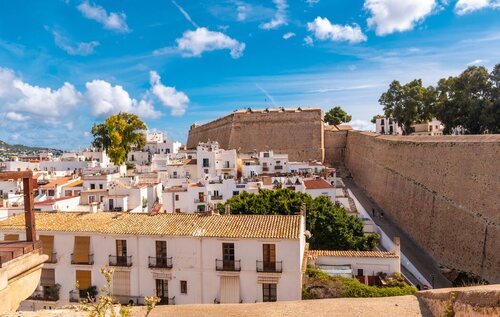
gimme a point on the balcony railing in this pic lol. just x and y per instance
(198, 201)
(120, 260)
(129, 300)
(167, 301)
(88, 261)
(163, 262)
(52, 258)
(216, 197)
(45, 295)
(228, 265)
(278, 167)
(270, 267)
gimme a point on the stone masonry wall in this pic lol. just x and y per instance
(443, 191)
(299, 133)
(335, 145)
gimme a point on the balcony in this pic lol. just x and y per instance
(47, 293)
(52, 258)
(278, 167)
(81, 261)
(120, 260)
(228, 265)
(163, 262)
(269, 267)
(216, 197)
(74, 296)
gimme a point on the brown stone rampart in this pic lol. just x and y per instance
(298, 133)
(335, 145)
(443, 191)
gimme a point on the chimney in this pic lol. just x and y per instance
(397, 246)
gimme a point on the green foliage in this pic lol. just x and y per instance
(337, 116)
(52, 292)
(331, 227)
(469, 102)
(317, 274)
(375, 117)
(450, 311)
(408, 103)
(118, 135)
(354, 288)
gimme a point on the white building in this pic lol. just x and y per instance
(213, 162)
(433, 127)
(387, 126)
(319, 186)
(183, 259)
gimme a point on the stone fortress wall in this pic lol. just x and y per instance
(442, 190)
(297, 132)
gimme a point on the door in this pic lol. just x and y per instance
(162, 291)
(111, 204)
(161, 253)
(201, 197)
(269, 292)
(228, 256)
(121, 252)
(229, 289)
(84, 280)
(269, 256)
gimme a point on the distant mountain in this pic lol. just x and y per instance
(13, 149)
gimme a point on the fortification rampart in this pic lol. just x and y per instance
(297, 132)
(443, 191)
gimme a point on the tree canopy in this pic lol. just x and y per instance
(118, 135)
(337, 116)
(331, 227)
(468, 102)
(375, 117)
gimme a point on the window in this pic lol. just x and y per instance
(176, 197)
(48, 246)
(206, 171)
(84, 279)
(121, 248)
(92, 186)
(266, 154)
(100, 186)
(184, 287)
(162, 290)
(91, 199)
(236, 193)
(177, 210)
(360, 272)
(228, 255)
(81, 252)
(161, 249)
(206, 162)
(269, 292)
(48, 277)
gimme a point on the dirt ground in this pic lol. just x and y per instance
(407, 306)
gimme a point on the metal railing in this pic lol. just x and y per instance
(40, 294)
(129, 300)
(167, 301)
(161, 262)
(270, 267)
(120, 260)
(216, 197)
(52, 258)
(228, 265)
(74, 296)
(88, 261)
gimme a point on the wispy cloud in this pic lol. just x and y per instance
(112, 21)
(185, 14)
(468, 6)
(288, 35)
(71, 47)
(268, 96)
(280, 17)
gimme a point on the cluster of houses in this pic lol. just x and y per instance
(390, 126)
(158, 227)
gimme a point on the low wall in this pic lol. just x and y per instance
(463, 301)
(443, 191)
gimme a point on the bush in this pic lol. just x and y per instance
(354, 288)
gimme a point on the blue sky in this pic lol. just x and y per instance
(67, 64)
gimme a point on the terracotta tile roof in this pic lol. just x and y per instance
(75, 184)
(317, 184)
(49, 202)
(226, 226)
(56, 182)
(351, 253)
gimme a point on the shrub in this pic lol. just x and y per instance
(354, 288)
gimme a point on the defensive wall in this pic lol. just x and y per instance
(297, 132)
(442, 190)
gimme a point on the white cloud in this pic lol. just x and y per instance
(467, 6)
(14, 116)
(105, 99)
(324, 30)
(312, 2)
(288, 35)
(80, 48)
(280, 17)
(389, 16)
(112, 21)
(477, 62)
(241, 11)
(177, 101)
(185, 14)
(363, 125)
(194, 43)
(23, 97)
(308, 41)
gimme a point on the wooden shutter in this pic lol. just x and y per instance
(82, 249)
(269, 252)
(47, 245)
(11, 237)
(121, 283)
(229, 289)
(84, 279)
(48, 277)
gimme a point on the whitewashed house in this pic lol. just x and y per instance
(183, 259)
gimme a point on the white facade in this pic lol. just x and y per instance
(387, 126)
(433, 127)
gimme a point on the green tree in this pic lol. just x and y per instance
(409, 103)
(337, 116)
(118, 135)
(375, 117)
(330, 225)
(470, 101)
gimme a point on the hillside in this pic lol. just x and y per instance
(7, 149)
